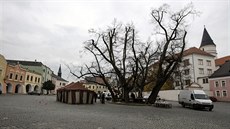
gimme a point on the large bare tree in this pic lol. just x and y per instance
(172, 28)
(119, 56)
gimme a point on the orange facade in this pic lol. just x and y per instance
(14, 79)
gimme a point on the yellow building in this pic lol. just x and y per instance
(95, 87)
(33, 81)
(93, 84)
(3, 65)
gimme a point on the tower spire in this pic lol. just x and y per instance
(206, 39)
(207, 43)
(59, 71)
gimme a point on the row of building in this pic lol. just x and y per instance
(18, 76)
(202, 67)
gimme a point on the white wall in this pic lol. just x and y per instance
(166, 94)
(210, 49)
(169, 94)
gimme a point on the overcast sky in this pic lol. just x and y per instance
(53, 31)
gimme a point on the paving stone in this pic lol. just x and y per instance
(43, 112)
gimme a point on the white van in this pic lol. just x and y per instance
(195, 99)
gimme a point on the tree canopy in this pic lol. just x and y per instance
(48, 85)
(127, 61)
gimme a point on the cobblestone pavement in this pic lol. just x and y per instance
(43, 112)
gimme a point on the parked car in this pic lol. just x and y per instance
(195, 99)
(33, 93)
(145, 98)
(107, 96)
(214, 99)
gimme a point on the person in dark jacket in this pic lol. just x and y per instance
(103, 98)
(95, 97)
(133, 97)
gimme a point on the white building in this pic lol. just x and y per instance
(58, 81)
(197, 65)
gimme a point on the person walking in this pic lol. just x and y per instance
(103, 98)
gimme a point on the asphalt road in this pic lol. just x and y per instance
(43, 112)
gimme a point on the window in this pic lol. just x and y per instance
(216, 83)
(186, 62)
(218, 93)
(16, 77)
(28, 77)
(35, 79)
(89, 87)
(38, 80)
(187, 82)
(201, 71)
(205, 80)
(177, 83)
(21, 78)
(31, 78)
(223, 83)
(209, 71)
(60, 83)
(224, 93)
(63, 84)
(208, 63)
(200, 61)
(186, 72)
(11, 75)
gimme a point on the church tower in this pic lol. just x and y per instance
(207, 44)
(59, 71)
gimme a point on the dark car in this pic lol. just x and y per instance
(108, 97)
(34, 93)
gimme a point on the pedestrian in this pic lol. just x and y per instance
(95, 97)
(103, 98)
(133, 97)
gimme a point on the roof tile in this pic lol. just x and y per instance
(194, 50)
(222, 60)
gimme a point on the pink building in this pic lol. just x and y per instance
(220, 82)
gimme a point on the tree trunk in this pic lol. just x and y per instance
(126, 95)
(140, 93)
(114, 98)
(153, 96)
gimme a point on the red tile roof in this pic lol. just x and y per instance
(74, 86)
(222, 60)
(194, 50)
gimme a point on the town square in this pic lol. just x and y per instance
(113, 64)
(44, 112)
